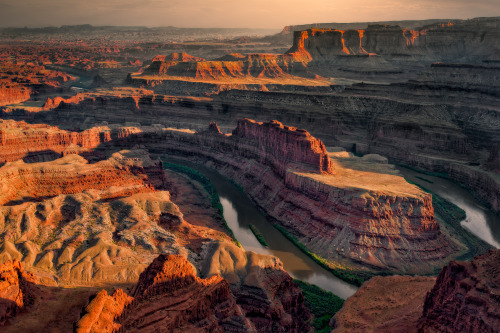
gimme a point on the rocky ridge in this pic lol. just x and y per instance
(87, 223)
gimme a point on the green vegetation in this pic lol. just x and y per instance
(258, 235)
(452, 215)
(209, 188)
(342, 272)
(323, 305)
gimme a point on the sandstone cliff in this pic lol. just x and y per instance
(282, 145)
(263, 289)
(463, 298)
(476, 37)
(384, 304)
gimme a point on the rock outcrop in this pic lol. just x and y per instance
(169, 296)
(226, 68)
(265, 292)
(37, 143)
(465, 297)
(477, 37)
(282, 145)
(16, 288)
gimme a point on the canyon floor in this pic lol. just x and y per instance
(365, 155)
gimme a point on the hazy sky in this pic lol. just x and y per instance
(233, 13)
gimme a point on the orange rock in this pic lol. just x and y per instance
(15, 293)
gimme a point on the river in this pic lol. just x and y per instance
(481, 221)
(240, 211)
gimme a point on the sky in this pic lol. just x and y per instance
(233, 13)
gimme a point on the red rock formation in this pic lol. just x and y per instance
(19, 140)
(465, 297)
(169, 296)
(228, 67)
(477, 37)
(282, 146)
(72, 174)
(324, 43)
(101, 313)
(264, 290)
(214, 128)
(345, 217)
(15, 291)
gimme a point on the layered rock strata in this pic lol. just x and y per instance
(384, 304)
(478, 37)
(463, 298)
(263, 289)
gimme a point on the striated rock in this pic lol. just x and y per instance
(19, 140)
(465, 297)
(226, 68)
(282, 145)
(384, 304)
(15, 289)
(72, 174)
(435, 41)
(101, 313)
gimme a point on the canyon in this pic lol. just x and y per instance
(109, 216)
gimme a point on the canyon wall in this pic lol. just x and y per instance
(281, 145)
(422, 123)
(341, 217)
(460, 40)
(16, 289)
(287, 171)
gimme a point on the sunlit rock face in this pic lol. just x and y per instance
(461, 40)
